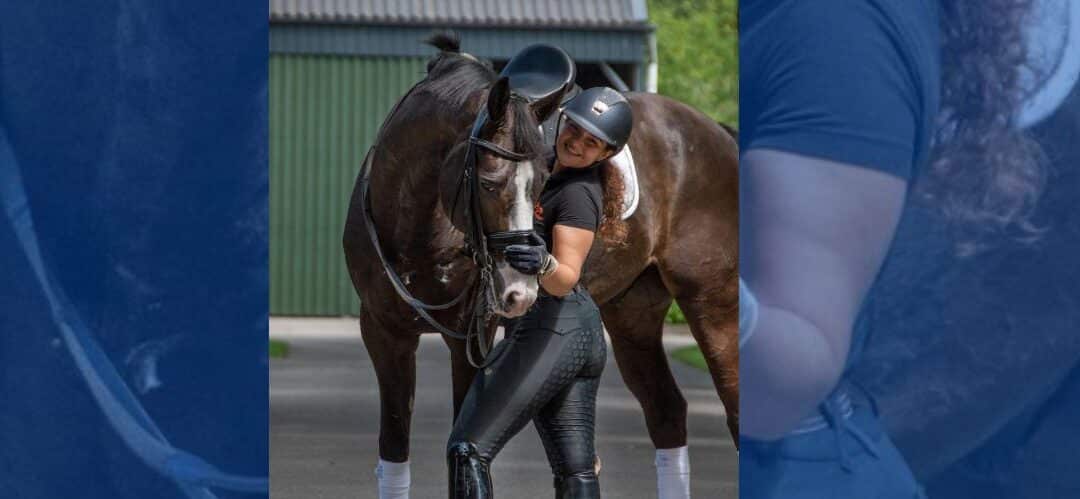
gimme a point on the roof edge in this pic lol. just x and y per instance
(640, 27)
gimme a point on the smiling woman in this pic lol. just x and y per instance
(550, 379)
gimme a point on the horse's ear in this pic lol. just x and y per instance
(498, 98)
(542, 108)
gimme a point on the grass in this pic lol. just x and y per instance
(690, 355)
(675, 315)
(278, 349)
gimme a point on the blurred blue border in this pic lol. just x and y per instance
(133, 288)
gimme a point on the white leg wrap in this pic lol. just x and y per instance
(394, 479)
(673, 473)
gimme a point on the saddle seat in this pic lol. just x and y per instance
(540, 71)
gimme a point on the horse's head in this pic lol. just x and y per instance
(510, 173)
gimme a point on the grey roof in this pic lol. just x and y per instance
(603, 14)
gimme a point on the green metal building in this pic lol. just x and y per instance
(338, 66)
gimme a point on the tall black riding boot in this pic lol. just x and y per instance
(469, 475)
(584, 486)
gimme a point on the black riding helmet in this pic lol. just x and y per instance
(604, 113)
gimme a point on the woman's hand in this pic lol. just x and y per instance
(529, 260)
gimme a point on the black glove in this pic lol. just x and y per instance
(529, 260)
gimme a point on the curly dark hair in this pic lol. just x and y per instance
(613, 228)
(985, 174)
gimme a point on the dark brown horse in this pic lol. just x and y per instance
(682, 241)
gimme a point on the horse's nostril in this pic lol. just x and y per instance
(513, 297)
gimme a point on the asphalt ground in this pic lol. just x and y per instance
(324, 423)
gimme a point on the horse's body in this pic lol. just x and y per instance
(682, 244)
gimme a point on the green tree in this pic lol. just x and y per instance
(697, 44)
(698, 54)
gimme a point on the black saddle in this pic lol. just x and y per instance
(540, 71)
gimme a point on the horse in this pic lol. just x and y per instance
(681, 243)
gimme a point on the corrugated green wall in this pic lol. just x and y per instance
(324, 113)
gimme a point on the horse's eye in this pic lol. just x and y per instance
(488, 185)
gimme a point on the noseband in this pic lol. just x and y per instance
(479, 245)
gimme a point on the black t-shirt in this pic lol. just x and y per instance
(852, 81)
(572, 197)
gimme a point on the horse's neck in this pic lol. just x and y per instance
(407, 202)
(406, 206)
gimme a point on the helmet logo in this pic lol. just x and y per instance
(599, 107)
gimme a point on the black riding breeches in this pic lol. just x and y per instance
(546, 370)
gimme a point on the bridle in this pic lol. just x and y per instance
(479, 245)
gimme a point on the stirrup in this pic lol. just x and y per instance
(582, 486)
(469, 476)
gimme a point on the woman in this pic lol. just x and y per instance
(548, 369)
(873, 155)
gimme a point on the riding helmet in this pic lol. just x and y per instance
(604, 113)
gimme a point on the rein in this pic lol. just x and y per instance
(478, 244)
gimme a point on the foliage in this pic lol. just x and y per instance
(691, 355)
(698, 54)
(675, 314)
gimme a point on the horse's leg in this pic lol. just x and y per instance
(707, 291)
(635, 321)
(715, 326)
(394, 357)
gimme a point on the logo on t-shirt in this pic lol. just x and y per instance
(538, 212)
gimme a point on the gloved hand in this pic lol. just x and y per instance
(529, 260)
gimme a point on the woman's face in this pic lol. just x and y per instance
(577, 148)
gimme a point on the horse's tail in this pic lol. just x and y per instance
(446, 41)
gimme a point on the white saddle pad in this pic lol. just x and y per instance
(624, 163)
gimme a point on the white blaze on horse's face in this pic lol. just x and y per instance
(519, 290)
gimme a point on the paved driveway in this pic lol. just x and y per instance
(325, 409)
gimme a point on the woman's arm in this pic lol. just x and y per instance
(833, 123)
(570, 247)
(815, 233)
